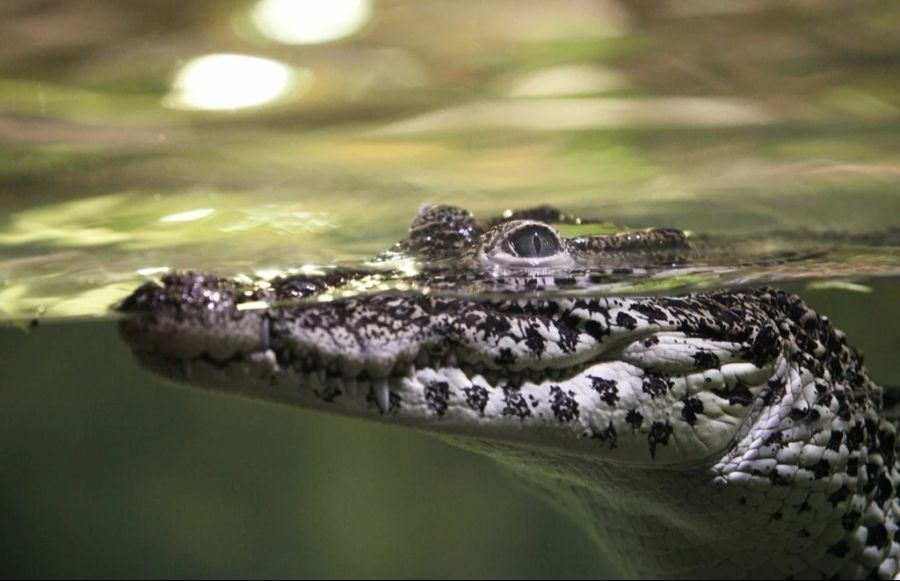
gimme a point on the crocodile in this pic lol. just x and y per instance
(728, 433)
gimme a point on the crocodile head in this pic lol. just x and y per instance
(669, 411)
(646, 380)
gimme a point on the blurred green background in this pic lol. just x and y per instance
(251, 136)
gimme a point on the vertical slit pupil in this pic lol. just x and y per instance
(536, 241)
(533, 242)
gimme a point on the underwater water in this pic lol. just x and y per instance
(217, 137)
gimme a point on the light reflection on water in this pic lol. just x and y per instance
(293, 22)
(226, 82)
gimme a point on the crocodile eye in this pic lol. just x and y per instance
(533, 242)
(525, 244)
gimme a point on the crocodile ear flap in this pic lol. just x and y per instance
(441, 232)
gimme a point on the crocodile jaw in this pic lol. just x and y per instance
(638, 380)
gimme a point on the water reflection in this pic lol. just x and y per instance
(570, 80)
(580, 114)
(220, 82)
(188, 216)
(310, 21)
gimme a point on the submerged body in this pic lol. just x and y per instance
(731, 433)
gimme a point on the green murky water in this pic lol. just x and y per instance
(135, 139)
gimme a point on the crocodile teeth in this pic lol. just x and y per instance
(382, 394)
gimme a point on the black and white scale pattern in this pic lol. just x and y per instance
(732, 433)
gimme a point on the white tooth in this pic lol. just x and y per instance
(382, 394)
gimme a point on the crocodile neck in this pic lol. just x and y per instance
(674, 523)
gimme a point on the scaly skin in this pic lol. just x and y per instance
(723, 434)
